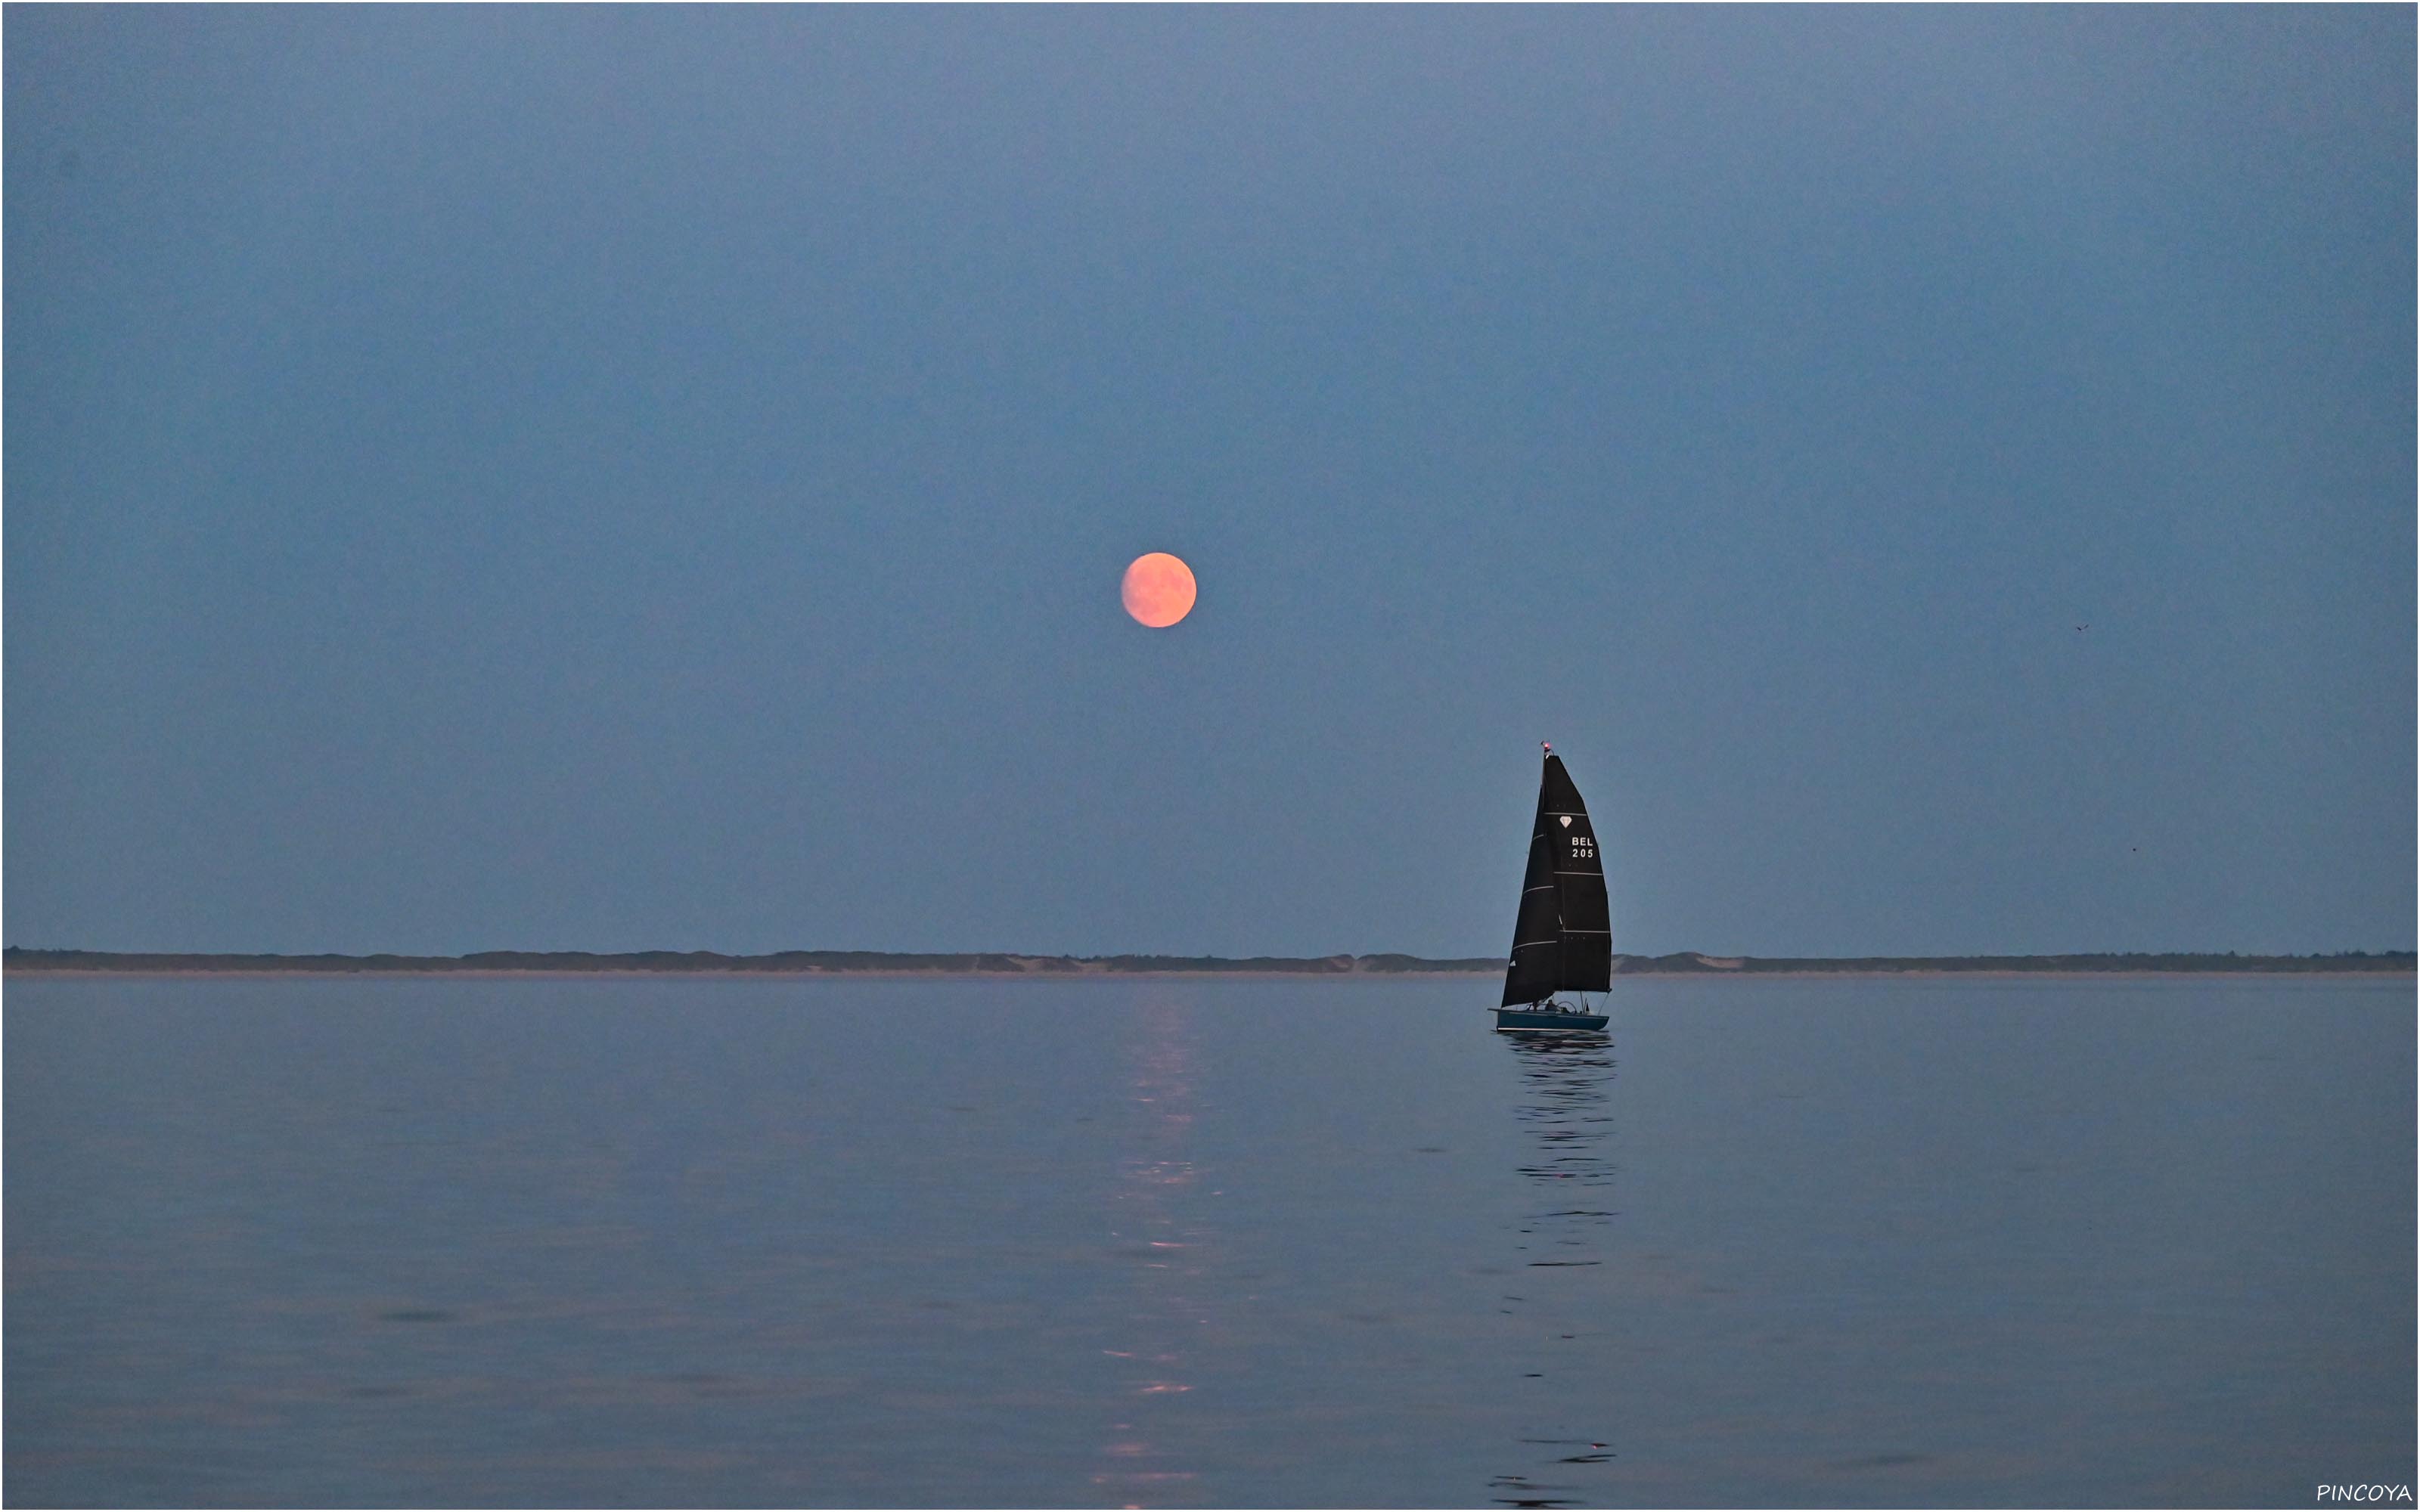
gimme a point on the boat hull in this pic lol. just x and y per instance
(1546, 1020)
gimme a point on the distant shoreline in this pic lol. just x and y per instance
(812, 963)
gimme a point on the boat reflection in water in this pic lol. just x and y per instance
(1566, 1109)
(1153, 1228)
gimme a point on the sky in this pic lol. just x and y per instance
(571, 478)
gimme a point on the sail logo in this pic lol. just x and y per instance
(1567, 821)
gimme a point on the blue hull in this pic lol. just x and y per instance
(1546, 1020)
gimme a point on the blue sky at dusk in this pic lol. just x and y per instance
(635, 478)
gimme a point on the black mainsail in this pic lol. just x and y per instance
(1562, 941)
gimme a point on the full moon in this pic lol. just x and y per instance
(1159, 588)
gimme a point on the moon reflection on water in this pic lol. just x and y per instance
(1167, 1248)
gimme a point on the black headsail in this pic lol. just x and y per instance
(1564, 939)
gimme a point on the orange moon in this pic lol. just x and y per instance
(1157, 589)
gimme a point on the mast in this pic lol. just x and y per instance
(1562, 938)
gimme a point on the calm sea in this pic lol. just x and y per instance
(1197, 1243)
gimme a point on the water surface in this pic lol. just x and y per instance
(1187, 1242)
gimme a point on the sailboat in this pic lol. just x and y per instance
(1562, 940)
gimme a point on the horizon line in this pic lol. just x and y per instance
(840, 961)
